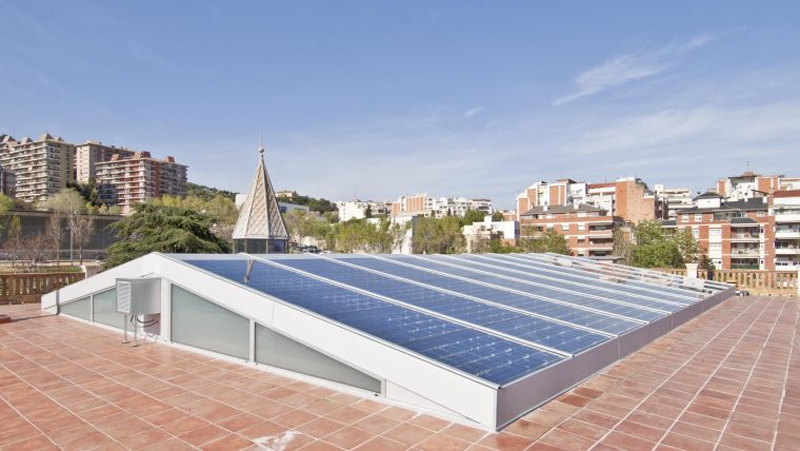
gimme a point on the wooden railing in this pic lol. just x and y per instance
(776, 283)
(29, 288)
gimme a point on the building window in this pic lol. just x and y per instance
(762, 214)
(684, 218)
(565, 227)
(698, 218)
(581, 227)
(714, 232)
(696, 233)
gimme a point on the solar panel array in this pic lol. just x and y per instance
(494, 317)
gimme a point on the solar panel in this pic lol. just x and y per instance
(586, 290)
(478, 353)
(626, 310)
(537, 331)
(586, 318)
(530, 270)
(656, 281)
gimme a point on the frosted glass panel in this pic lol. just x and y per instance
(105, 309)
(280, 351)
(80, 308)
(203, 324)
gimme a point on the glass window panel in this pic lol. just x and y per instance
(497, 296)
(628, 311)
(512, 267)
(280, 351)
(205, 325)
(444, 341)
(457, 307)
(105, 309)
(80, 308)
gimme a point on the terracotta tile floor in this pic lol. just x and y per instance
(730, 379)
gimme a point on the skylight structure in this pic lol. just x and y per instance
(483, 337)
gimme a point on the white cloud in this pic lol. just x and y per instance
(473, 111)
(627, 68)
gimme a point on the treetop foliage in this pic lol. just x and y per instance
(649, 245)
(207, 192)
(163, 228)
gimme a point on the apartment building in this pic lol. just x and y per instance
(736, 234)
(785, 209)
(87, 156)
(488, 229)
(628, 198)
(128, 181)
(422, 204)
(358, 209)
(39, 168)
(589, 230)
(748, 185)
(673, 200)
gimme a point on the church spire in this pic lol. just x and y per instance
(260, 216)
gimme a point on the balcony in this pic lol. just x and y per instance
(601, 233)
(744, 237)
(787, 233)
(782, 218)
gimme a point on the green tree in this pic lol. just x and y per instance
(471, 216)
(547, 241)
(70, 205)
(162, 228)
(207, 192)
(88, 191)
(6, 205)
(497, 216)
(219, 207)
(438, 236)
(656, 247)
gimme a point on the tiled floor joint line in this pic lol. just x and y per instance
(730, 323)
(749, 376)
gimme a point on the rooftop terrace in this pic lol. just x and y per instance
(726, 380)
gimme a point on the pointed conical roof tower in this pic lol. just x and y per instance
(260, 227)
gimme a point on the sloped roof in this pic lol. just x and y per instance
(708, 195)
(260, 215)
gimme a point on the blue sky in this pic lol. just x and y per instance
(374, 100)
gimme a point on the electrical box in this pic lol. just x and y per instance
(140, 296)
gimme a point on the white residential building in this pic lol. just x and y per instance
(507, 231)
(674, 199)
(359, 209)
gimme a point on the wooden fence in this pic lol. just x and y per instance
(773, 283)
(26, 288)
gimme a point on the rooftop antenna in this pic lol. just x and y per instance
(747, 164)
(261, 143)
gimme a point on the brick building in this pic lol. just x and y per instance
(589, 230)
(785, 209)
(128, 181)
(39, 168)
(422, 204)
(736, 234)
(628, 198)
(89, 154)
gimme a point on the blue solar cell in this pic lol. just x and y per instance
(539, 331)
(597, 321)
(581, 289)
(628, 311)
(483, 355)
(597, 272)
(513, 267)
